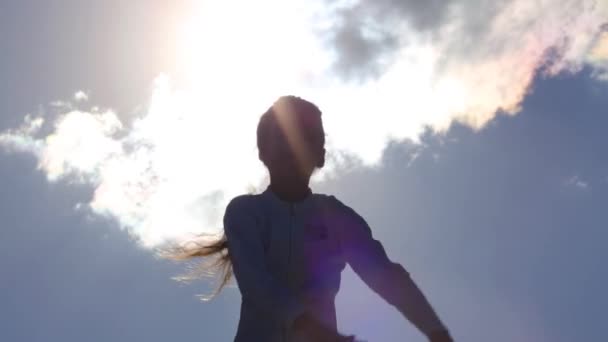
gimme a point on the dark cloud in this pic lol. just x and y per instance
(361, 51)
(366, 33)
(484, 222)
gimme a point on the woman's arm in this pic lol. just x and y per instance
(391, 281)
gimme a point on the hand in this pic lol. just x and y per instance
(440, 336)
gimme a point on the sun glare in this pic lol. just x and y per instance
(236, 58)
(192, 147)
(246, 47)
(195, 145)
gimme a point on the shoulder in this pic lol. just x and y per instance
(241, 201)
(326, 199)
(241, 204)
(330, 200)
(335, 206)
(342, 214)
(240, 214)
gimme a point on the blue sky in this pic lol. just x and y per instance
(502, 225)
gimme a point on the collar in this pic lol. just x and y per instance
(273, 198)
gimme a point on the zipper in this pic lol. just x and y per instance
(291, 228)
(288, 271)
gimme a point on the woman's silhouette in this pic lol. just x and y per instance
(287, 246)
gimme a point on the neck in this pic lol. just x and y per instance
(290, 191)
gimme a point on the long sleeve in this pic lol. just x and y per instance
(256, 283)
(391, 281)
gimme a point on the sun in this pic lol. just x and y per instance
(196, 145)
(237, 57)
(262, 48)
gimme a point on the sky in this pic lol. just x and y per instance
(469, 134)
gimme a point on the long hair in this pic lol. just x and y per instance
(213, 250)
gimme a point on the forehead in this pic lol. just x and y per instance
(310, 121)
(293, 119)
(307, 126)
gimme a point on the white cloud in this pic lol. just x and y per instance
(169, 175)
(22, 139)
(430, 63)
(577, 182)
(599, 52)
(598, 55)
(81, 96)
(380, 70)
(80, 144)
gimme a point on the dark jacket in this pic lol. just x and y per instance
(287, 259)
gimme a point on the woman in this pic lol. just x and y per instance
(287, 246)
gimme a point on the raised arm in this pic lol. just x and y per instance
(256, 283)
(391, 281)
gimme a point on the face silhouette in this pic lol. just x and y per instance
(294, 147)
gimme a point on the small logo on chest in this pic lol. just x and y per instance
(316, 231)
